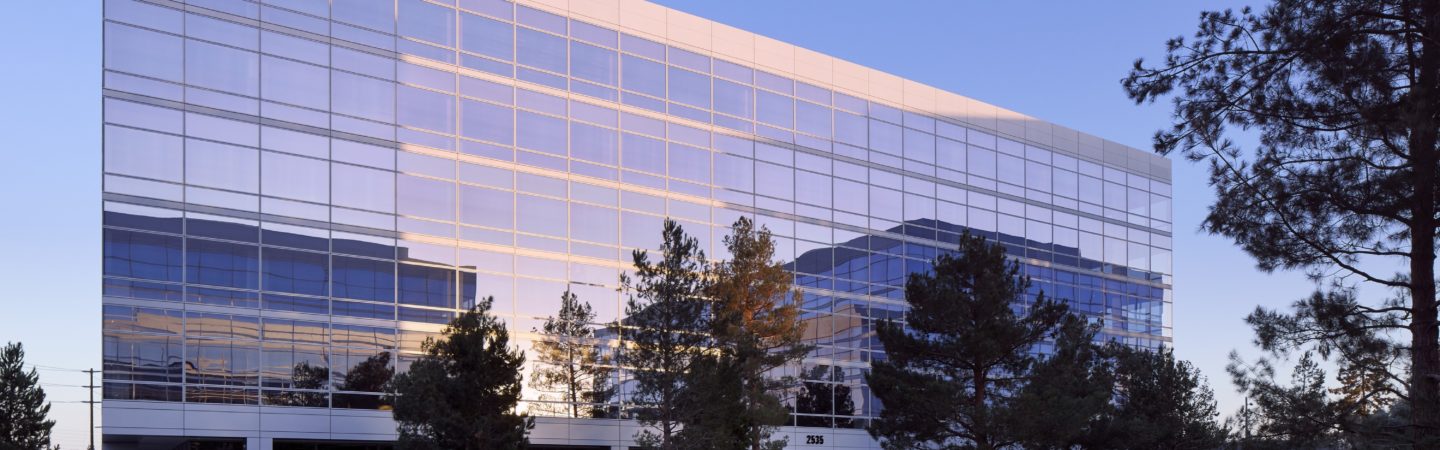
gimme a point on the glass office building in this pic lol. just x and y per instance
(299, 192)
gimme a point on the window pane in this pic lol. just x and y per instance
(812, 188)
(775, 109)
(885, 137)
(591, 33)
(542, 133)
(375, 14)
(222, 166)
(982, 162)
(541, 50)
(487, 207)
(690, 163)
(1037, 176)
(427, 286)
(592, 143)
(363, 188)
(222, 264)
(775, 181)
(541, 216)
(427, 22)
(734, 172)
(295, 177)
(642, 153)
(426, 109)
(426, 198)
(594, 223)
(295, 83)
(142, 255)
(734, 99)
(143, 357)
(851, 129)
(593, 63)
(643, 76)
(919, 146)
(813, 119)
(362, 96)
(487, 122)
(295, 271)
(364, 279)
(222, 68)
(143, 52)
(689, 88)
(487, 37)
(143, 154)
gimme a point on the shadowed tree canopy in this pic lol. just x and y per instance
(1343, 97)
(755, 330)
(462, 393)
(23, 409)
(816, 396)
(371, 375)
(954, 367)
(1159, 402)
(1297, 415)
(665, 328)
(1066, 393)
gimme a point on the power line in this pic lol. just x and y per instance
(45, 367)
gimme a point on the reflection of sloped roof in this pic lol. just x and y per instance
(843, 252)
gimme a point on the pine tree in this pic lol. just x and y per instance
(953, 369)
(713, 405)
(816, 396)
(1297, 415)
(1065, 393)
(1365, 388)
(1159, 402)
(571, 366)
(371, 375)
(665, 330)
(756, 330)
(23, 409)
(462, 393)
(1343, 183)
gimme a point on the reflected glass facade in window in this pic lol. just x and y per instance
(298, 193)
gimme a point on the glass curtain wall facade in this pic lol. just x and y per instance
(299, 192)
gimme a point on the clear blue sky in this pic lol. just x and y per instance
(1055, 60)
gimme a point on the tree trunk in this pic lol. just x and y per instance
(1425, 373)
(982, 424)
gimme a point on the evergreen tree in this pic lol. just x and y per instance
(303, 375)
(373, 374)
(1364, 389)
(1293, 416)
(1159, 402)
(713, 405)
(1342, 94)
(23, 409)
(665, 330)
(1066, 393)
(755, 327)
(462, 393)
(953, 369)
(816, 396)
(572, 367)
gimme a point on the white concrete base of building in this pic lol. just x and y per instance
(261, 426)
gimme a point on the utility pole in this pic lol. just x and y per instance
(92, 403)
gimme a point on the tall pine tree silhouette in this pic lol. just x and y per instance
(23, 409)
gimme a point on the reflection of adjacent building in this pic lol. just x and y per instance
(222, 349)
(298, 194)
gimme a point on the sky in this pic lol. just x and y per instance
(1059, 61)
